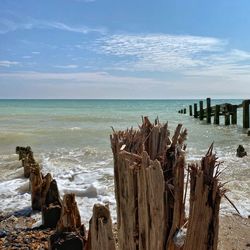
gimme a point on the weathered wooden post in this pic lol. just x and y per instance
(205, 196)
(190, 110)
(227, 115)
(100, 234)
(234, 114)
(70, 234)
(201, 111)
(26, 155)
(227, 118)
(149, 184)
(217, 115)
(185, 111)
(208, 110)
(182, 111)
(195, 111)
(245, 105)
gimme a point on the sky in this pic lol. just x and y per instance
(133, 49)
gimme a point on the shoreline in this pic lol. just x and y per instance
(233, 233)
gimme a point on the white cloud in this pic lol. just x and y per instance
(188, 57)
(78, 85)
(105, 85)
(159, 52)
(84, 77)
(36, 52)
(7, 25)
(70, 66)
(8, 63)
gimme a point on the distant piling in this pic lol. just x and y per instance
(217, 115)
(208, 110)
(201, 114)
(195, 111)
(229, 111)
(190, 110)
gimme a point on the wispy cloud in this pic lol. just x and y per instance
(159, 52)
(7, 25)
(187, 56)
(8, 63)
(70, 66)
(102, 78)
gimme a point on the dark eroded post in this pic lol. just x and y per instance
(190, 110)
(245, 105)
(234, 114)
(217, 115)
(195, 111)
(227, 116)
(201, 110)
(208, 110)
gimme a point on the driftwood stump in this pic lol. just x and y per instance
(45, 196)
(36, 180)
(149, 181)
(205, 197)
(26, 156)
(70, 234)
(51, 203)
(100, 234)
(149, 171)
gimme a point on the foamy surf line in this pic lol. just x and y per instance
(89, 175)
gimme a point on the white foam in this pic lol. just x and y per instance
(90, 192)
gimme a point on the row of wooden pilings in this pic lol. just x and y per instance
(226, 109)
(151, 180)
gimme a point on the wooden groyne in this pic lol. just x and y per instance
(226, 110)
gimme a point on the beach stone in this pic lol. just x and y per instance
(241, 151)
(248, 132)
(66, 241)
(25, 212)
(3, 233)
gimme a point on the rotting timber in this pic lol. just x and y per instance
(149, 168)
(151, 184)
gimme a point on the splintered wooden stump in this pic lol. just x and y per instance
(36, 180)
(205, 197)
(150, 191)
(149, 181)
(51, 208)
(70, 219)
(100, 234)
(70, 234)
(26, 156)
(45, 196)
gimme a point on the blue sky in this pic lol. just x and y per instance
(124, 49)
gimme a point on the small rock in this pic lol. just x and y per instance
(66, 240)
(3, 233)
(241, 151)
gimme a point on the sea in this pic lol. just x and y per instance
(70, 139)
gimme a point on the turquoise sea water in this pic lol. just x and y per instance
(71, 138)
